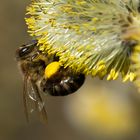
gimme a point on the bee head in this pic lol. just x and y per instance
(23, 51)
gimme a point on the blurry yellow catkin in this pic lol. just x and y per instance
(94, 37)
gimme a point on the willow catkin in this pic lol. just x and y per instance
(94, 37)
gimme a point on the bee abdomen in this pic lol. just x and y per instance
(66, 86)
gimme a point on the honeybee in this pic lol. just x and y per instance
(42, 73)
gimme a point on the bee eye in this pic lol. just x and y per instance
(24, 51)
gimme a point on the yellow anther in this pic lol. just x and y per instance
(101, 62)
(75, 27)
(66, 8)
(30, 21)
(132, 76)
(126, 78)
(95, 19)
(52, 22)
(101, 68)
(102, 73)
(113, 75)
(31, 10)
(116, 76)
(52, 69)
(94, 72)
(81, 2)
(42, 48)
(109, 77)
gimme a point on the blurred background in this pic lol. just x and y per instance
(100, 110)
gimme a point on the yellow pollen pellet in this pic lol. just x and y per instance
(51, 69)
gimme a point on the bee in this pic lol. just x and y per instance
(43, 73)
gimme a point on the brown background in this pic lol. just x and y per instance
(13, 125)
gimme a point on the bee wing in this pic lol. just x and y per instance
(33, 100)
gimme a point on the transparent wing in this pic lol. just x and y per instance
(33, 100)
